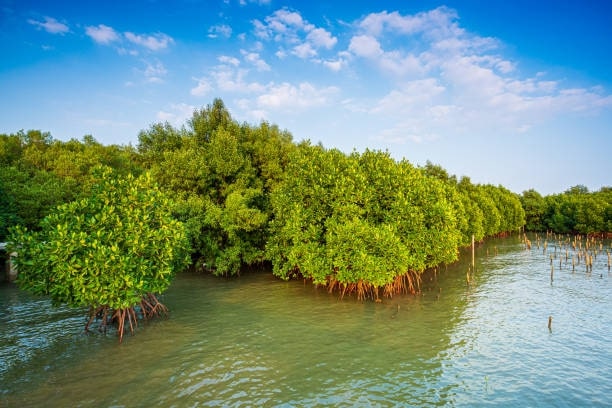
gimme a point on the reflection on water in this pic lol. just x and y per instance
(257, 341)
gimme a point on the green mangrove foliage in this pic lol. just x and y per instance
(112, 251)
(482, 210)
(248, 194)
(575, 211)
(359, 222)
(38, 173)
(365, 222)
(220, 173)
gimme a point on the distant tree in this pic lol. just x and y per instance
(34, 193)
(8, 212)
(112, 251)
(156, 140)
(578, 189)
(11, 149)
(437, 171)
(534, 206)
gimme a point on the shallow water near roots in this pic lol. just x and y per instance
(258, 341)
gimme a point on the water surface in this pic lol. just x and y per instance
(258, 341)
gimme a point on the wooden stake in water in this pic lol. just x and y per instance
(473, 263)
(552, 269)
(549, 323)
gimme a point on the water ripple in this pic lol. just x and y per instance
(256, 341)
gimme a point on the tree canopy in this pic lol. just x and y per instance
(111, 251)
(365, 221)
(576, 211)
(248, 194)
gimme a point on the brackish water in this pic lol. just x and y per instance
(258, 341)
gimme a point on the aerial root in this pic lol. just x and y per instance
(150, 307)
(408, 283)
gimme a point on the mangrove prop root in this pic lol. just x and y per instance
(125, 318)
(408, 283)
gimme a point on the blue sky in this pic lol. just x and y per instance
(517, 93)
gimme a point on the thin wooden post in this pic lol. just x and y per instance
(550, 323)
(473, 262)
(552, 268)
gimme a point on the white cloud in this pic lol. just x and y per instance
(229, 60)
(412, 95)
(234, 81)
(447, 81)
(258, 2)
(203, 87)
(155, 72)
(125, 51)
(437, 23)
(304, 51)
(338, 63)
(226, 77)
(177, 113)
(292, 31)
(365, 46)
(50, 25)
(221, 30)
(281, 19)
(335, 65)
(425, 78)
(321, 38)
(102, 34)
(400, 65)
(154, 42)
(289, 97)
(255, 59)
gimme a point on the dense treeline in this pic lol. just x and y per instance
(111, 251)
(248, 194)
(38, 173)
(221, 174)
(575, 211)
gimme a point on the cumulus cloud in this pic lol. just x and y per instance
(258, 2)
(410, 95)
(321, 38)
(287, 96)
(444, 80)
(153, 42)
(50, 25)
(102, 34)
(255, 59)
(438, 23)
(105, 35)
(176, 113)
(365, 46)
(427, 77)
(304, 51)
(334, 65)
(203, 87)
(226, 77)
(221, 30)
(224, 59)
(289, 29)
(258, 100)
(154, 72)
